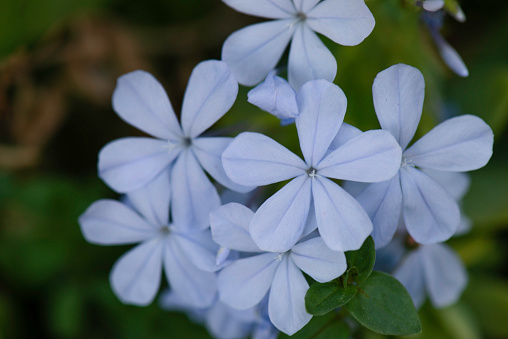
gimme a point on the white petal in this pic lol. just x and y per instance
(456, 183)
(305, 5)
(279, 222)
(128, 164)
(347, 22)
(410, 274)
(342, 222)
(372, 156)
(140, 100)
(309, 59)
(225, 322)
(230, 227)
(109, 222)
(272, 9)
(430, 213)
(383, 203)
(398, 94)
(433, 5)
(152, 200)
(194, 196)
(136, 276)
(194, 286)
(275, 96)
(458, 144)
(255, 50)
(210, 93)
(322, 107)
(244, 283)
(209, 153)
(345, 133)
(445, 275)
(198, 247)
(286, 305)
(317, 260)
(450, 56)
(254, 159)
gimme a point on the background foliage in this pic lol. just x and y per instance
(59, 60)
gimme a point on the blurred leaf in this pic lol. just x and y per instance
(24, 21)
(323, 298)
(383, 305)
(329, 326)
(361, 262)
(66, 311)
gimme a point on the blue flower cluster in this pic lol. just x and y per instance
(240, 271)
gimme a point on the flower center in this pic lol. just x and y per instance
(301, 16)
(406, 162)
(186, 142)
(164, 230)
(312, 172)
(279, 257)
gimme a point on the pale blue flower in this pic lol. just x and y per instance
(254, 51)
(254, 159)
(434, 270)
(460, 144)
(245, 282)
(128, 164)
(187, 254)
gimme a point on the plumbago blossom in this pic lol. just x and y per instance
(186, 253)
(128, 164)
(255, 159)
(245, 282)
(254, 51)
(459, 144)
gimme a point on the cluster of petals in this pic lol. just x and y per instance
(177, 150)
(245, 283)
(255, 159)
(186, 253)
(464, 143)
(254, 51)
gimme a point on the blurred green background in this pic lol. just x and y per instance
(59, 60)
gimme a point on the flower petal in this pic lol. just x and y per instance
(432, 5)
(398, 94)
(230, 227)
(209, 153)
(152, 200)
(450, 56)
(322, 108)
(430, 213)
(194, 196)
(128, 164)
(254, 51)
(254, 159)
(196, 287)
(271, 9)
(286, 304)
(309, 59)
(383, 203)
(279, 222)
(346, 22)
(342, 222)
(304, 6)
(456, 183)
(136, 276)
(210, 93)
(275, 96)
(372, 156)
(445, 275)
(458, 144)
(227, 323)
(140, 100)
(109, 222)
(198, 247)
(346, 132)
(244, 283)
(410, 274)
(317, 260)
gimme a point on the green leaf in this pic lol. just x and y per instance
(323, 298)
(329, 326)
(363, 259)
(383, 305)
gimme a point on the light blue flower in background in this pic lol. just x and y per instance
(254, 159)
(128, 164)
(244, 283)
(460, 144)
(187, 254)
(254, 51)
